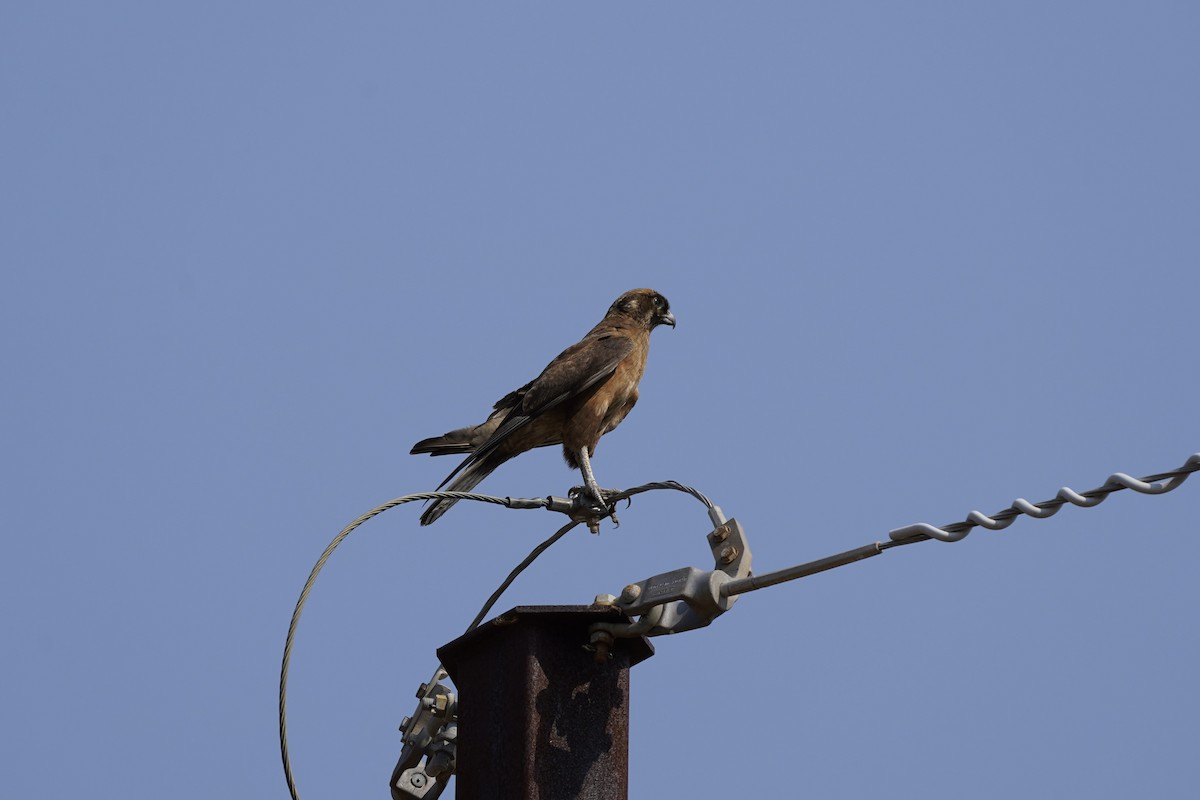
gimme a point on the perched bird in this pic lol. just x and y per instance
(581, 395)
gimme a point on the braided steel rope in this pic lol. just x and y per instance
(508, 502)
(675, 485)
(316, 570)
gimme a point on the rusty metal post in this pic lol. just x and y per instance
(539, 717)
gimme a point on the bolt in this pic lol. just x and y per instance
(604, 600)
(417, 780)
(728, 554)
(404, 723)
(630, 593)
(720, 534)
(602, 646)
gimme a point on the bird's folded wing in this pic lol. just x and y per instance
(576, 369)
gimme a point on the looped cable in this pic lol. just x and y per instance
(316, 570)
(714, 511)
(553, 503)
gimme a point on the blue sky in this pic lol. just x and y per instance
(925, 258)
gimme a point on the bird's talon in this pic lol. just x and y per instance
(593, 506)
(605, 494)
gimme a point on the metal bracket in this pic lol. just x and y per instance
(580, 506)
(429, 734)
(687, 598)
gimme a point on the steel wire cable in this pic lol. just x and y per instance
(508, 502)
(312, 577)
(676, 485)
(512, 576)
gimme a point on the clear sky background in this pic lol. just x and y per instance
(925, 257)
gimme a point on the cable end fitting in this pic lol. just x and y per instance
(717, 516)
(526, 502)
(562, 504)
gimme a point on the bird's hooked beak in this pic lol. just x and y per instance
(665, 319)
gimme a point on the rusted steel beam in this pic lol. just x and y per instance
(539, 716)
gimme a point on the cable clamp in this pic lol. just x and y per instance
(430, 737)
(687, 598)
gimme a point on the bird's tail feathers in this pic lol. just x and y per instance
(443, 445)
(460, 441)
(470, 477)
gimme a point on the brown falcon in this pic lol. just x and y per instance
(581, 395)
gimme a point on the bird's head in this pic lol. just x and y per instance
(646, 306)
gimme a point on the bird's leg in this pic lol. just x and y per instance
(593, 488)
(589, 477)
